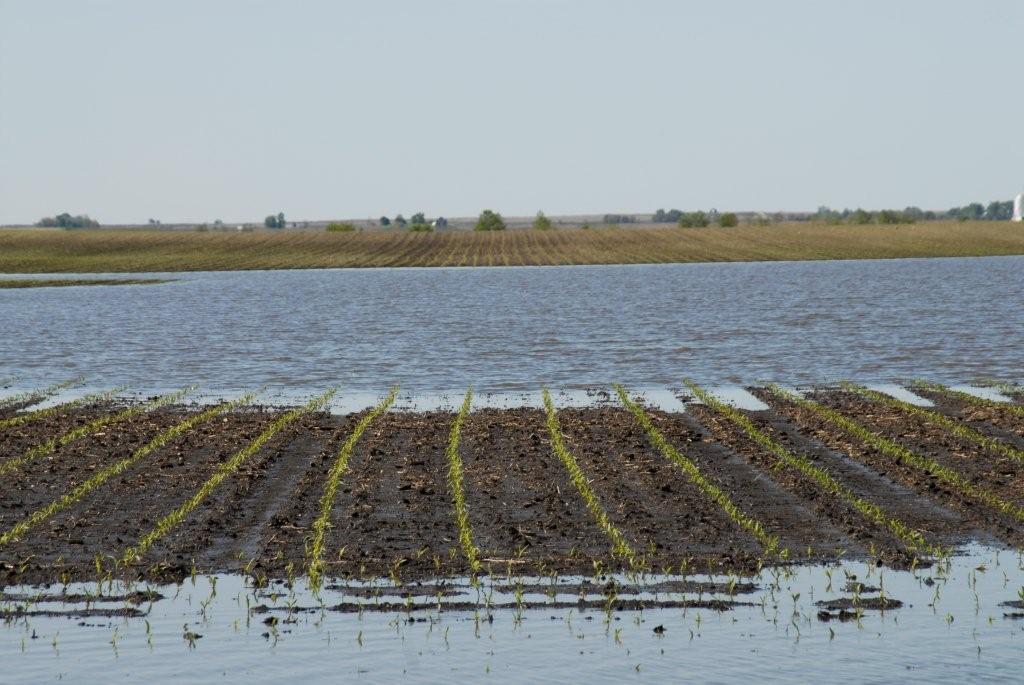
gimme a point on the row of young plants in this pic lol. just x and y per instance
(913, 539)
(955, 427)
(620, 547)
(974, 399)
(42, 413)
(103, 475)
(163, 527)
(31, 397)
(769, 542)
(315, 544)
(456, 487)
(93, 426)
(949, 477)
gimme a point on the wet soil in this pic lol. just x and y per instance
(393, 514)
(998, 474)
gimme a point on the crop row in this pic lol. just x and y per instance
(33, 396)
(913, 539)
(455, 485)
(974, 399)
(955, 427)
(105, 474)
(164, 525)
(42, 413)
(770, 543)
(620, 547)
(91, 427)
(948, 476)
(315, 547)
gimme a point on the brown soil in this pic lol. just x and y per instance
(393, 514)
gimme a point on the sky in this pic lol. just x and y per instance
(200, 110)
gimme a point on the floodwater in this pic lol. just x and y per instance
(513, 329)
(951, 628)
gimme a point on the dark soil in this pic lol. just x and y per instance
(393, 514)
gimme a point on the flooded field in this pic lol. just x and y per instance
(225, 485)
(513, 329)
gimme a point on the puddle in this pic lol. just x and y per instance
(939, 624)
(901, 393)
(735, 395)
(984, 393)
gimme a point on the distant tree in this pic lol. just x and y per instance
(384, 221)
(728, 220)
(860, 217)
(692, 220)
(892, 216)
(218, 223)
(999, 211)
(417, 218)
(913, 214)
(420, 228)
(340, 227)
(65, 220)
(400, 220)
(440, 222)
(542, 223)
(489, 221)
(154, 222)
(672, 216)
(273, 221)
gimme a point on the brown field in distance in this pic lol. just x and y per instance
(50, 251)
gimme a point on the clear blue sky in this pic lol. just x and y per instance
(231, 109)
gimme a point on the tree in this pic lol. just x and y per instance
(440, 222)
(693, 220)
(400, 220)
(384, 221)
(860, 217)
(270, 221)
(65, 220)
(670, 217)
(489, 221)
(542, 223)
(340, 227)
(728, 220)
(280, 220)
(417, 218)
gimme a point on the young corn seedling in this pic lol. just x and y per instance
(769, 543)
(974, 399)
(952, 425)
(911, 538)
(105, 474)
(134, 554)
(620, 547)
(455, 485)
(93, 426)
(316, 544)
(951, 478)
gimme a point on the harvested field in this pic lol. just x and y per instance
(393, 512)
(90, 251)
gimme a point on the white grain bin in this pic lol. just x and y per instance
(1018, 207)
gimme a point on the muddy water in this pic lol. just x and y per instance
(511, 329)
(952, 627)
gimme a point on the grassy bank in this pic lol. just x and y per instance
(49, 251)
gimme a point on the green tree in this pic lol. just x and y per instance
(860, 217)
(384, 221)
(693, 220)
(340, 227)
(417, 218)
(728, 220)
(489, 221)
(542, 223)
(400, 220)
